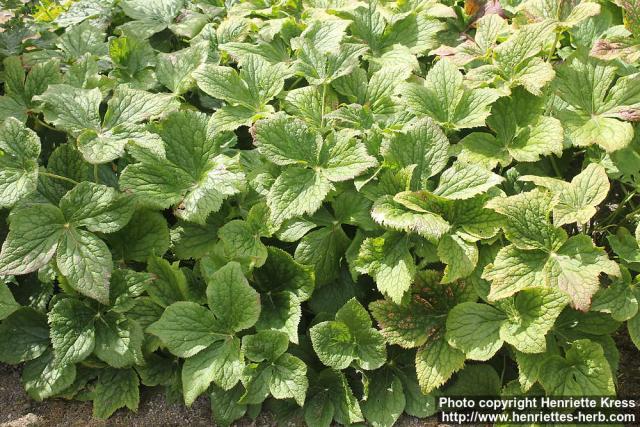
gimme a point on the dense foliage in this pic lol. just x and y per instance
(328, 209)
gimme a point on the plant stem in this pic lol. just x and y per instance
(632, 213)
(62, 178)
(324, 94)
(295, 83)
(617, 211)
(555, 167)
(553, 48)
(96, 178)
(626, 192)
(43, 123)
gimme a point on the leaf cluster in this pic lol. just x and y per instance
(334, 211)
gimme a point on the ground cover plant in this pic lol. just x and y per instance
(332, 210)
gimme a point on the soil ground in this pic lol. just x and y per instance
(18, 410)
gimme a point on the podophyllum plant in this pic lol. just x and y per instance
(334, 210)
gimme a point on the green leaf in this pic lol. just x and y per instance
(321, 68)
(186, 328)
(192, 241)
(170, 283)
(475, 329)
(350, 337)
(72, 330)
(132, 58)
(583, 371)
(286, 141)
(281, 298)
(19, 163)
(32, 240)
(119, 340)
(225, 408)
(71, 108)
(333, 343)
(220, 363)
(387, 259)
(343, 158)
(318, 411)
(27, 331)
(103, 147)
(633, 326)
(8, 304)
(574, 268)
(324, 249)
(283, 378)
(620, 299)
(529, 365)
(421, 143)
(418, 31)
(436, 362)
(234, 302)
(418, 404)
(522, 133)
(200, 180)
(335, 394)
(10, 107)
(40, 76)
(282, 273)
(130, 106)
(45, 376)
(324, 35)
(444, 97)
(242, 243)
(231, 117)
(385, 400)
(557, 11)
(146, 233)
(85, 261)
(576, 201)
(515, 64)
(97, 207)
(460, 256)
(392, 214)
(463, 181)
(256, 84)
(281, 311)
(295, 192)
(514, 269)
(308, 104)
(265, 345)
(529, 318)
(152, 15)
(353, 208)
(625, 245)
(256, 379)
(126, 286)
(476, 380)
(467, 218)
(598, 107)
(116, 388)
(368, 24)
(527, 223)
(65, 161)
(81, 39)
(175, 69)
(289, 379)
